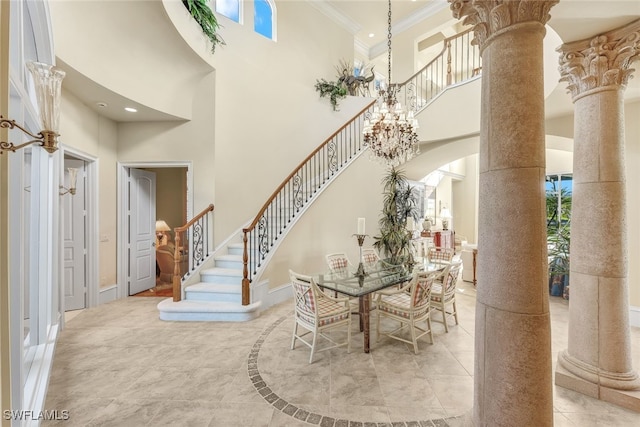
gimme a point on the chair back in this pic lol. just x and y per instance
(450, 279)
(421, 288)
(166, 261)
(440, 254)
(338, 262)
(305, 297)
(370, 257)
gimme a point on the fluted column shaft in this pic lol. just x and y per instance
(512, 381)
(599, 348)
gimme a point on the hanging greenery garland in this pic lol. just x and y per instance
(205, 17)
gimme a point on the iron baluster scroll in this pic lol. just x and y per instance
(193, 244)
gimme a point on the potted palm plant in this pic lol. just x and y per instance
(400, 202)
(559, 241)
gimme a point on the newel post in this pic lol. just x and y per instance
(177, 283)
(246, 296)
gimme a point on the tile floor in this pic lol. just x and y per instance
(119, 365)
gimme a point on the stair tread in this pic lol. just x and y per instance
(214, 288)
(228, 257)
(186, 306)
(218, 271)
(236, 245)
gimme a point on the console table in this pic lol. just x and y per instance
(442, 238)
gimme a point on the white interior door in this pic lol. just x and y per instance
(75, 238)
(142, 228)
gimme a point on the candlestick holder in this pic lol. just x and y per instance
(360, 272)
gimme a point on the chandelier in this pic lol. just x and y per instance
(390, 132)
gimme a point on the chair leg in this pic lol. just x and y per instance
(444, 317)
(349, 336)
(295, 332)
(313, 345)
(455, 311)
(413, 336)
(378, 326)
(430, 329)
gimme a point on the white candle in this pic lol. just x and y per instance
(361, 226)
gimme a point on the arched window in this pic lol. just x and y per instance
(264, 18)
(229, 8)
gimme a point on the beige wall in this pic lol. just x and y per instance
(632, 152)
(84, 130)
(170, 189)
(329, 225)
(190, 141)
(269, 116)
(465, 201)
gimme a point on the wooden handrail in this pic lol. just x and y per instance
(446, 44)
(302, 163)
(177, 256)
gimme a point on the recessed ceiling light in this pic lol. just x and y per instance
(371, 35)
(101, 104)
(130, 109)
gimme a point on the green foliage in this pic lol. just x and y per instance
(558, 231)
(400, 202)
(559, 242)
(332, 90)
(205, 17)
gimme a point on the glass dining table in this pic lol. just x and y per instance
(378, 276)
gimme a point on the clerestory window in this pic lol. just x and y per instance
(229, 8)
(264, 18)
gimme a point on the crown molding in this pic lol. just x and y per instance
(404, 24)
(361, 48)
(336, 16)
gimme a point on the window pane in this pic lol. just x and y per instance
(263, 18)
(229, 8)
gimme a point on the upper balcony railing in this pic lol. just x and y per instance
(458, 61)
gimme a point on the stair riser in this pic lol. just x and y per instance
(236, 251)
(237, 265)
(209, 317)
(223, 280)
(213, 296)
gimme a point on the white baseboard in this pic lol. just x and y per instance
(277, 295)
(107, 294)
(634, 316)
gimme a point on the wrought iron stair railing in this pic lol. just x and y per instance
(458, 61)
(193, 244)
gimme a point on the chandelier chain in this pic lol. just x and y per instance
(389, 41)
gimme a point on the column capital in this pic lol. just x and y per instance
(492, 17)
(601, 62)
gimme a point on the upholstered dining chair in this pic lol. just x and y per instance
(440, 255)
(443, 293)
(408, 305)
(370, 257)
(317, 313)
(339, 263)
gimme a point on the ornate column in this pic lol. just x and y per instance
(597, 361)
(512, 381)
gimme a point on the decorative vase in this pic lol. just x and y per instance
(426, 225)
(445, 224)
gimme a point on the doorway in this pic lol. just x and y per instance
(170, 202)
(78, 231)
